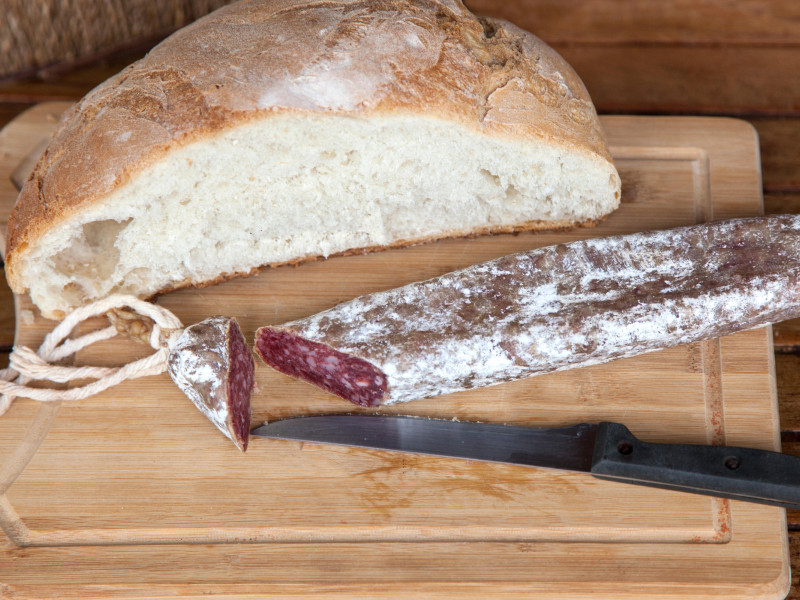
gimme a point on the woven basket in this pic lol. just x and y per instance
(37, 34)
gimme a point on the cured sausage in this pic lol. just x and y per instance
(544, 310)
(213, 366)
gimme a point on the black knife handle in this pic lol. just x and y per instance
(725, 471)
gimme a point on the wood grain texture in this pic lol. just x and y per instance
(623, 22)
(362, 521)
(696, 35)
(780, 153)
(781, 203)
(7, 320)
(787, 371)
(681, 79)
(65, 83)
(794, 593)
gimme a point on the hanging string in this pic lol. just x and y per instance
(26, 366)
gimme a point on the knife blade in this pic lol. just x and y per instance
(606, 450)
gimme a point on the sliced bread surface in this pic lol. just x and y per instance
(275, 132)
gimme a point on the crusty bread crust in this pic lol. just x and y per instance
(256, 58)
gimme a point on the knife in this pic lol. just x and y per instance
(606, 450)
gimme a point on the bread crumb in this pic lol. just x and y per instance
(27, 317)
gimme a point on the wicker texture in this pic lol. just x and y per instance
(39, 33)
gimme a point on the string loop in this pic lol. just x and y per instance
(26, 366)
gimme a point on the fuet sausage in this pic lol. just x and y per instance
(213, 366)
(544, 310)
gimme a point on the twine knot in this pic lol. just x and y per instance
(128, 315)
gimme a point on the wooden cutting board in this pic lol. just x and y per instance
(133, 493)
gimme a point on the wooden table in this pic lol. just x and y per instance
(638, 57)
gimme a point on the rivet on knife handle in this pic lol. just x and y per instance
(725, 471)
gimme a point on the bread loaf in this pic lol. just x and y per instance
(273, 132)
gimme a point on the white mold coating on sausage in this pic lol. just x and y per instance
(569, 305)
(203, 362)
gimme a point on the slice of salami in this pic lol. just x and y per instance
(544, 310)
(213, 366)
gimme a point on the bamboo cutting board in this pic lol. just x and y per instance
(133, 493)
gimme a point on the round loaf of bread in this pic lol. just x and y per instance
(276, 131)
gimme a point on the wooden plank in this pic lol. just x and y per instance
(794, 549)
(776, 203)
(793, 516)
(623, 22)
(322, 571)
(67, 82)
(780, 154)
(787, 373)
(688, 80)
(70, 88)
(786, 336)
(7, 318)
(9, 110)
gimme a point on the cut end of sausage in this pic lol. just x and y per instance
(344, 375)
(213, 366)
(240, 383)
